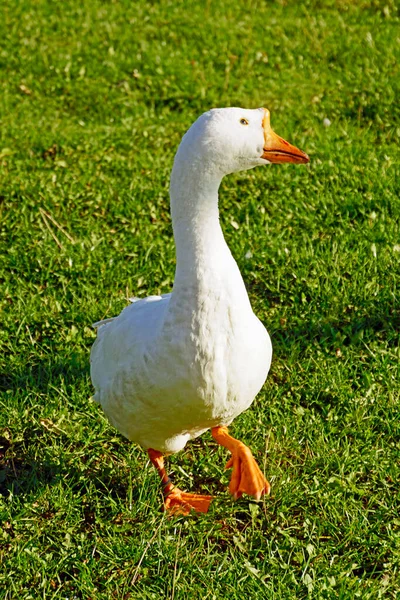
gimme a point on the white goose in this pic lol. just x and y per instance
(170, 367)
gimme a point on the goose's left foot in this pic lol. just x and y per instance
(247, 477)
(176, 501)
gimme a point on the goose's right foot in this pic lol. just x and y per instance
(182, 503)
(175, 501)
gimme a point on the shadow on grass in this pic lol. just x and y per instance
(26, 462)
(22, 474)
(40, 374)
(338, 331)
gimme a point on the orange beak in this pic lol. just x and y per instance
(277, 150)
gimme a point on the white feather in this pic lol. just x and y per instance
(170, 367)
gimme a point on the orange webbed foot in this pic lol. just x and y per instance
(175, 501)
(247, 477)
(182, 503)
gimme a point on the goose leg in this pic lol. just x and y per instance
(176, 501)
(246, 475)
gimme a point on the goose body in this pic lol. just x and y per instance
(152, 343)
(170, 367)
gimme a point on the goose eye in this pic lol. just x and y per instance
(244, 122)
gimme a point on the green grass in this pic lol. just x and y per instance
(95, 97)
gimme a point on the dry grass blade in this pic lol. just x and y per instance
(53, 235)
(52, 219)
(176, 564)
(149, 543)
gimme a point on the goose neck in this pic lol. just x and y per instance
(200, 244)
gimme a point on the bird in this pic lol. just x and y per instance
(170, 367)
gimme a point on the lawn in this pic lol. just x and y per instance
(95, 97)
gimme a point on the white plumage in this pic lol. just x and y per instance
(170, 367)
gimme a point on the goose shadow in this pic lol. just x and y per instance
(329, 325)
(38, 374)
(22, 471)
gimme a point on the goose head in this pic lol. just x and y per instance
(226, 140)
